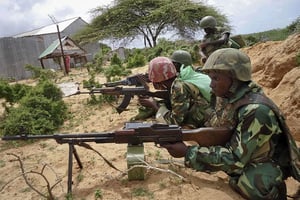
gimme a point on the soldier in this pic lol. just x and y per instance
(181, 58)
(257, 158)
(215, 37)
(188, 104)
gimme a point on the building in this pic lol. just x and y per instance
(27, 48)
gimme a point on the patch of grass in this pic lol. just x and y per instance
(79, 177)
(162, 185)
(27, 189)
(93, 160)
(142, 192)
(158, 155)
(98, 194)
(124, 181)
(2, 163)
(43, 145)
(69, 196)
(298, 59)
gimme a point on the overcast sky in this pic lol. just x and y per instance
(246, 16)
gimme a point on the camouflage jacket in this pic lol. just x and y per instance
(213, 37)
(256, 132)
(189, 107)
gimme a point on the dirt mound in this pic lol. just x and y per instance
(275, 68)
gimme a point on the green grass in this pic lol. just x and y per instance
(142, 192)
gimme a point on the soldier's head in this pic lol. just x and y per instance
(208, 23)
(181, 57)
(162, 72)
(228, 68)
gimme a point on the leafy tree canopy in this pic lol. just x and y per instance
(127, 19)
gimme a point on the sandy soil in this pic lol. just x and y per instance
(274, 68)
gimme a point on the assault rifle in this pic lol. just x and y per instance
(133, 133)
(141, 81)
(128, 93)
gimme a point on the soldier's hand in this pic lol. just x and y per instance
(148, 102)
(177, 150)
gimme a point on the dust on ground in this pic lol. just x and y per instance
(274, 67)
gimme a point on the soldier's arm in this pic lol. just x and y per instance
(257, 124)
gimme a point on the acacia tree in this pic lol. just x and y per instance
(127, 19)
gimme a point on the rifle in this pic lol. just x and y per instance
(128, 93)
(133, 133)
(137, 80)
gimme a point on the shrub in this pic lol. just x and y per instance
(40, 73)
(115, 70)
(40, 111)
(137, 60)
(115, 60)
(12, 93)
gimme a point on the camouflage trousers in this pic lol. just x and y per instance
(260, 181)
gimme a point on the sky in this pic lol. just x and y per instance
(245, 16)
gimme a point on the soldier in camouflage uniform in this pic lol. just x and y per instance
(187, 103)
(256, 158)
(181, 59)
(215, 37)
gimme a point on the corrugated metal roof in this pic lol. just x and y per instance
(51, 48)
(48, 29)
(69, 48)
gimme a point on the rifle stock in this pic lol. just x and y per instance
(208, 136)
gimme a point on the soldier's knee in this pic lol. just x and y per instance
(250, 189)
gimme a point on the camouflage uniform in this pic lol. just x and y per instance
(247, 158)
(261, 152)
(219, 32)
(189, 107)
(188, 99)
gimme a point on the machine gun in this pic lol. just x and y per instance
(128, 93)
(133, 133)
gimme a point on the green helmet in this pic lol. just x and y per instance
(208, 22)
(182, 57)
(229, 59)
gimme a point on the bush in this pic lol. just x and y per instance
(40, 73)
(12, 93)
(115, 70)
(40, 111)
(115, 60)
(24, 119)
(294, 27)
(137, 60)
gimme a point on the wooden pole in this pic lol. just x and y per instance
(61, 46)
(62, 51)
